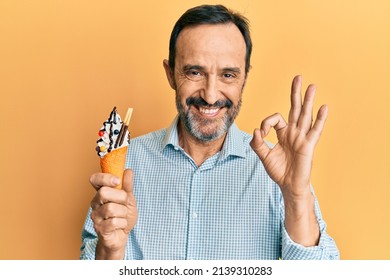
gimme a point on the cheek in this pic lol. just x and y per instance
(185, 88)
(234, 94)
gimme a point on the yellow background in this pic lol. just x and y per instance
(65, 64)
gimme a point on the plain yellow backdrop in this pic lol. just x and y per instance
(65, 64)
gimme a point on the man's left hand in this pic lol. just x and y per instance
(289, 162)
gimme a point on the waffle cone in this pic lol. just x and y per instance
(114, 163)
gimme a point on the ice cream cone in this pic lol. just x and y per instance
(114, 163)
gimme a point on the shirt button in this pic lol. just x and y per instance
(195, 215)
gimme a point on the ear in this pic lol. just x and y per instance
(169, 73)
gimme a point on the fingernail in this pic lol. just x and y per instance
(116, 181)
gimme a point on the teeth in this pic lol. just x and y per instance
(208, 110)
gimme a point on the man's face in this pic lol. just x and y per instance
(209, 78)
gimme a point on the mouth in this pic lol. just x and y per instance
(206, 110)
(209, 112)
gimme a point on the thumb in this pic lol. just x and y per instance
(258, 145)
(128, 181)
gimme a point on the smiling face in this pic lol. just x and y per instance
(208, 78)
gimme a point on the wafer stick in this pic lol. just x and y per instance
(122, 133)
(128, 116)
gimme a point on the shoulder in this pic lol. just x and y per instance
(144, 150)
(246, 137)
(155, 136)
(151, 141)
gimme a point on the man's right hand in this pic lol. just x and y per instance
(114, 213)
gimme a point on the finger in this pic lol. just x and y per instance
(110, 225)
(259, 146)
(276, 121)
(108, 211)
(128, 181)
(296, 100)
(306, 117)
(315, 133)
(99, 180)
(106, 195)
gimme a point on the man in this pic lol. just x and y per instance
(203, 189)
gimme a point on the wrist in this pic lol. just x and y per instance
(300, 219)
(298, 207)
(108, 253)
(297, 195)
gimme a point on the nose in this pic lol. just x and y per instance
(210, 91)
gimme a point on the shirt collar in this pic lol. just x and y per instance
(172, 136)
(233, 145)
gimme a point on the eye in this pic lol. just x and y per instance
(228, 75)
(194, 75)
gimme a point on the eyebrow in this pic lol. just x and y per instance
(232, 69)
(201, 68)
(193, 67)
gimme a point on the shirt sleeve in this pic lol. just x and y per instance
(88, 239)
(325, 250)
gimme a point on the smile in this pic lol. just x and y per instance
(209, 112)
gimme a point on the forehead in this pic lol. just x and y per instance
(211, 43)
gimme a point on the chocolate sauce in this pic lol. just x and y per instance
(112, 120)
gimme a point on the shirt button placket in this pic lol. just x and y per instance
(193, 231)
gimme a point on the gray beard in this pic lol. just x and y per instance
(194, 123)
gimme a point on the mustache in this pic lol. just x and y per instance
(199, 101)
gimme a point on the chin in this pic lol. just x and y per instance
(210, 134)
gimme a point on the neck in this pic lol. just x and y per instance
(199, 150)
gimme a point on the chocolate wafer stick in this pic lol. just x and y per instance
(122, 133)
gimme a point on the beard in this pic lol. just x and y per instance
(207, 129)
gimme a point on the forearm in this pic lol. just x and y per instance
(301, 221)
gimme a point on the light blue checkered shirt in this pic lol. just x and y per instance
(228, 208)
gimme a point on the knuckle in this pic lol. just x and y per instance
(110, 210)
(103, 192)
(92, 179)
(95, 202)
(101, 179)
(131, 201)
(115, 222)
(97, 227)
(94, 216)
(277, 115)
(97, 180)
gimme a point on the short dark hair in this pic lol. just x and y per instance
(210, 14)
